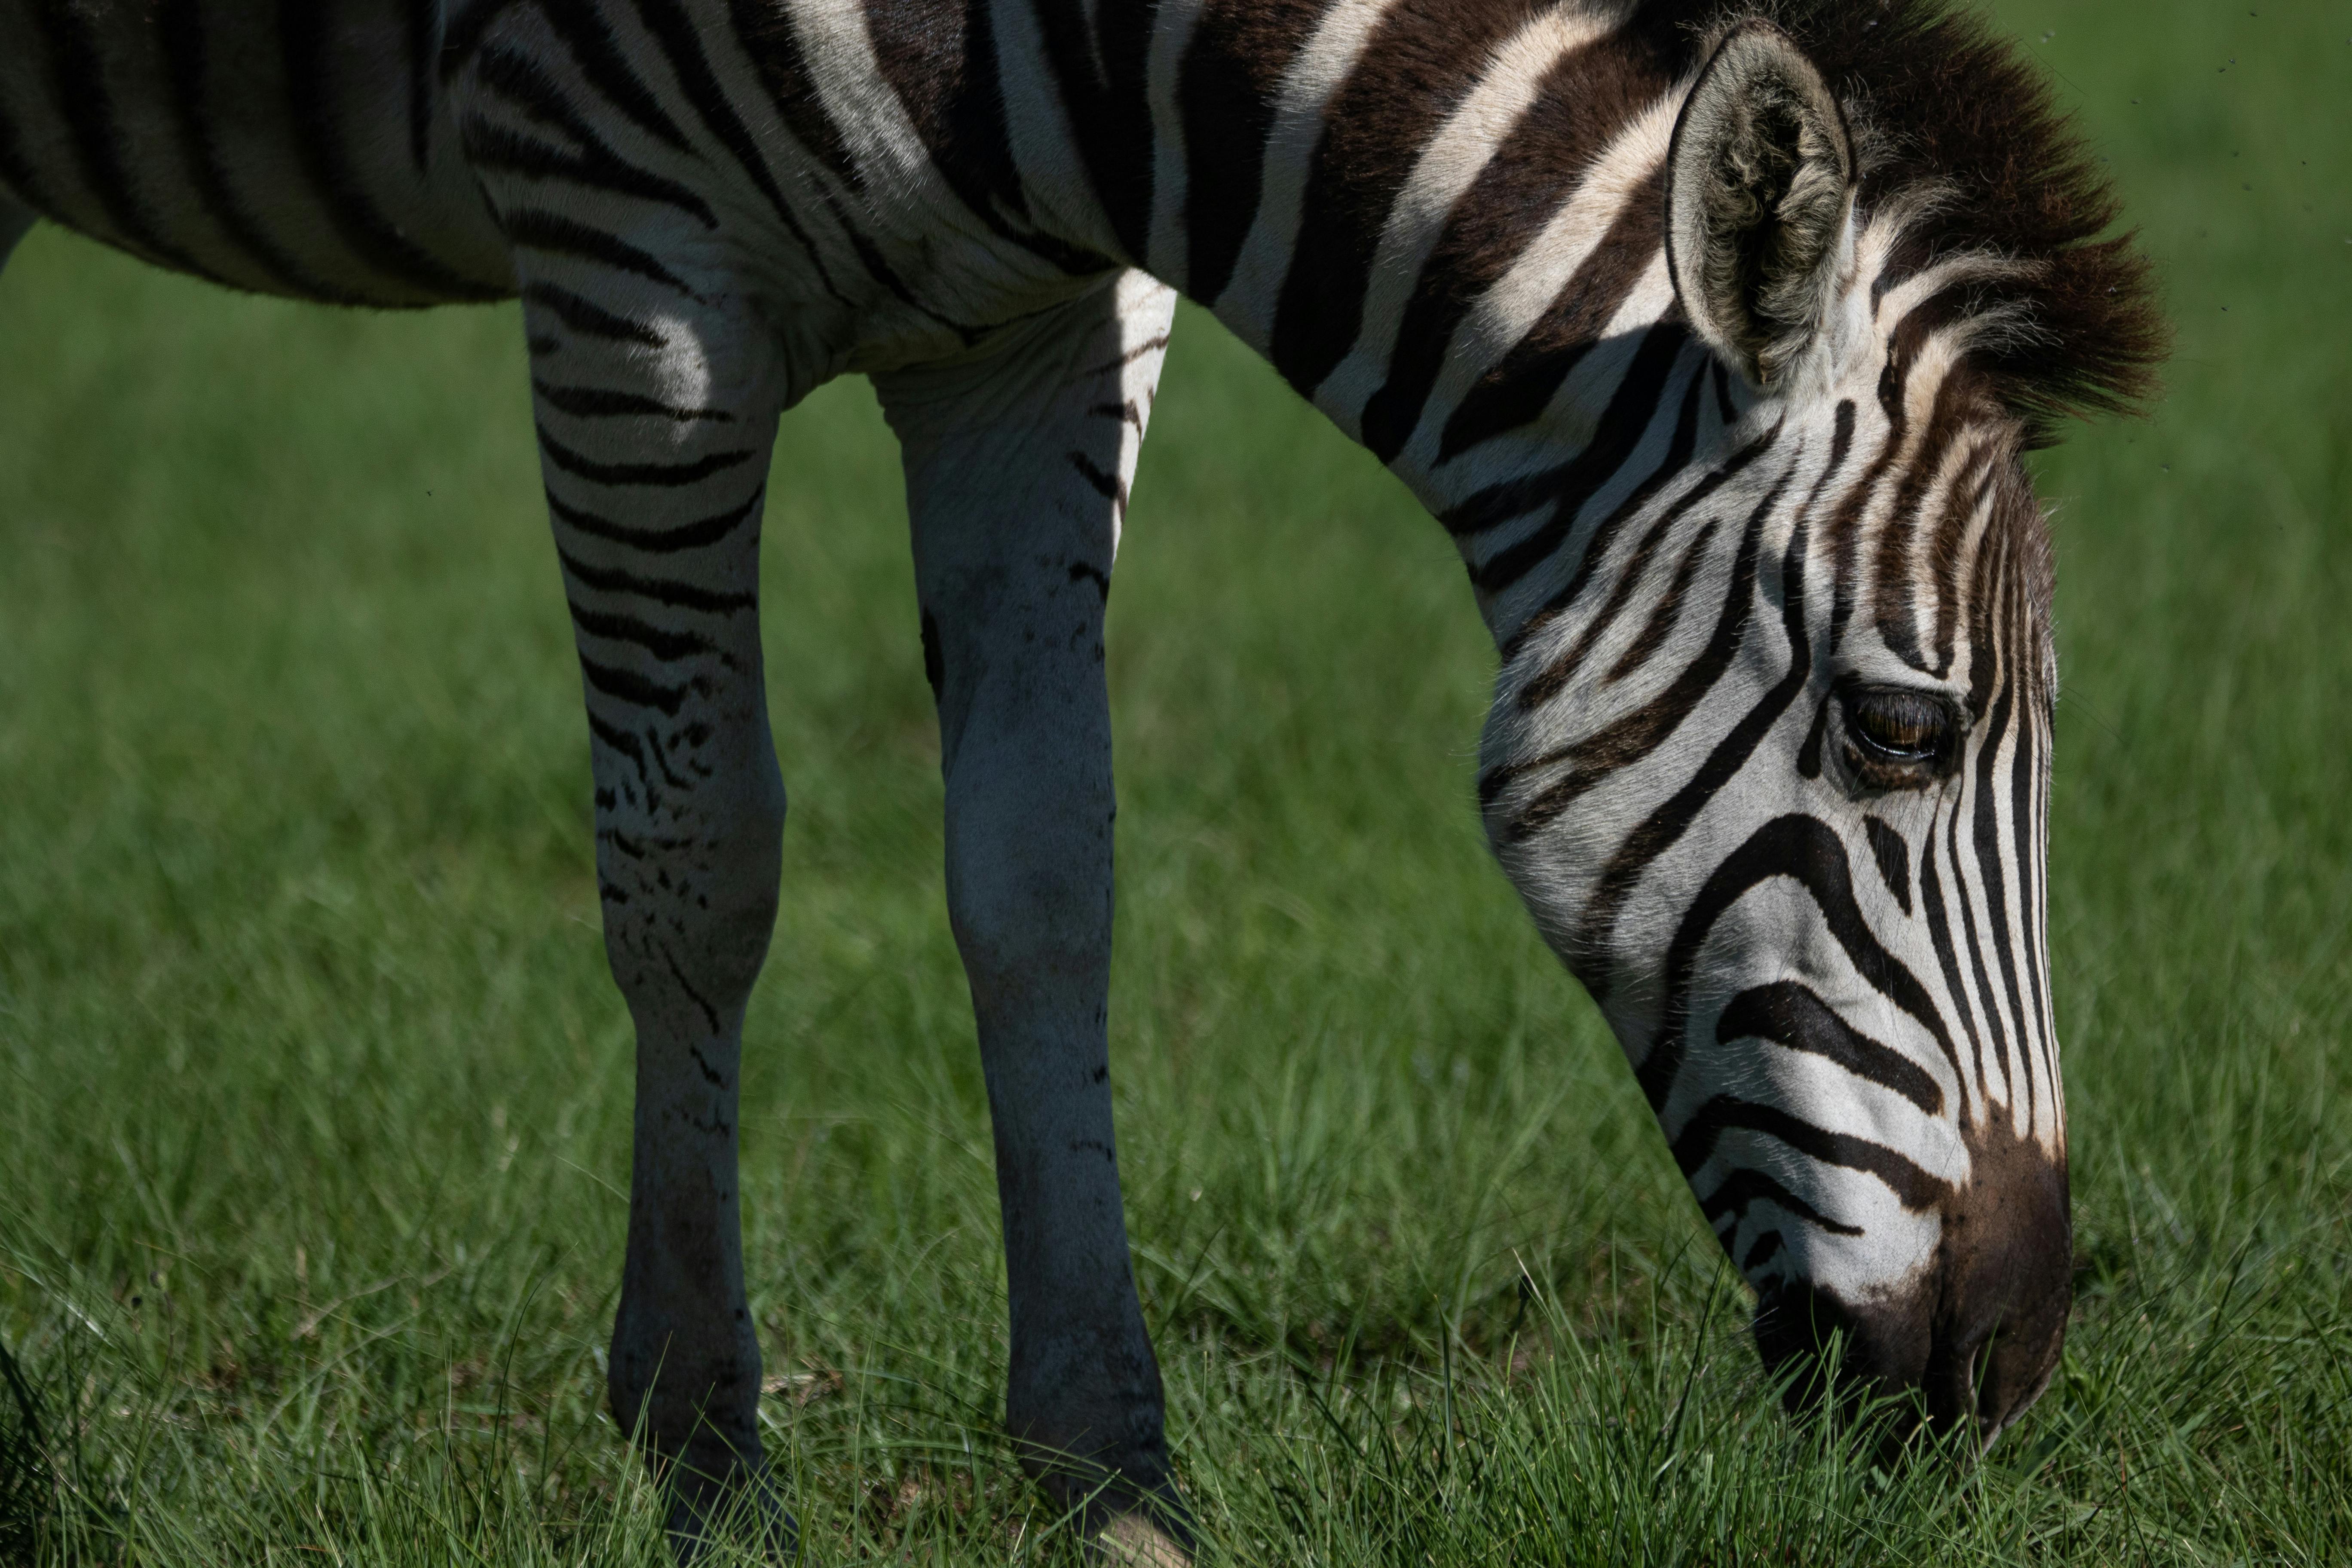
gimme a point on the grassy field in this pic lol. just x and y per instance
(314, 1091)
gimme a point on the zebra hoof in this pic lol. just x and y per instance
(729, 1518)
(1127, 1525)
(1150, 1538)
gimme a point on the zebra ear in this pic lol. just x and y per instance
(1759, 181)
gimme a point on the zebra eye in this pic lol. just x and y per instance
(1899, 737)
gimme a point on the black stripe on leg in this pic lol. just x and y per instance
(1107, 485)
(617, 739)
(663, 644)
(585, 316)
(536, 229)
(697, 535)
(599, 403)
(638, 691)
(660, 475)
(667, 592)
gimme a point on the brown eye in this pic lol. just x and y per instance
(1900, 727)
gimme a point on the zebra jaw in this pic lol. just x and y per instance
(1770, 772)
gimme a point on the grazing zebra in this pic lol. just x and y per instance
(1711, 330)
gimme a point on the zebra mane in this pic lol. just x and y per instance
(1957, 124)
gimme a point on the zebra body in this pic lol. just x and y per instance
(1713, 345)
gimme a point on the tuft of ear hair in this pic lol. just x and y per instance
(1759, 182)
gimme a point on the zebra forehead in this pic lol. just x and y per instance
(1923, 513)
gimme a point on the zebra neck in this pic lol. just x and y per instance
(1442, 225)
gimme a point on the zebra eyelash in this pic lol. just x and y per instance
(1894, 738)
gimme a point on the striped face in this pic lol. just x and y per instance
(1773, 779)
(1742, 502)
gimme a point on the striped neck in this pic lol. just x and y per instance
(1442, 225)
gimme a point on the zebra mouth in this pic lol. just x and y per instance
(1907, 1365)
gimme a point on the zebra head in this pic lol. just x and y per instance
(1772, 770)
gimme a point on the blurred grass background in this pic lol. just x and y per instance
(314, 1090)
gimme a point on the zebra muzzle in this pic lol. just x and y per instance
(1971, 1341)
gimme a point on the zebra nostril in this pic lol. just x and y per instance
(1955, 1388)
(1989, 1372)
(2017, 1365)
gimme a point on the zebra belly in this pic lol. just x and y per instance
(303, 149)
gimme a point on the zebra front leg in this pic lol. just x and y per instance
(1016, 467)
(654, 429)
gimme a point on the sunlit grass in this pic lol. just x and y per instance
(313, 1090)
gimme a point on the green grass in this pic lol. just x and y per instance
(314, 1091)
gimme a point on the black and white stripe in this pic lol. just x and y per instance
(1728, 518)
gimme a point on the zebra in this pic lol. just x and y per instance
(1712, 332)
